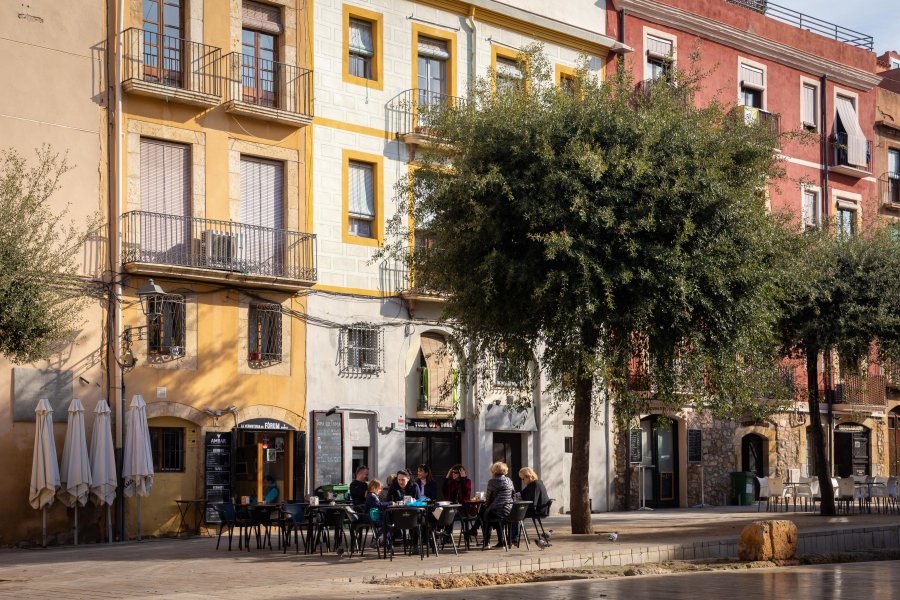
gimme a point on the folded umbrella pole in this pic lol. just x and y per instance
(137, 469)
(103, 463)
(44, 470)
(75, 472)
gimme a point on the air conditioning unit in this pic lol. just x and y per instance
(221, 249)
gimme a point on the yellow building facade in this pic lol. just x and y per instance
(213, 206)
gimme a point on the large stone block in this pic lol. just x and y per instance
(768, 540)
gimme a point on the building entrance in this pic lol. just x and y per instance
(851, 450)
(660, 441)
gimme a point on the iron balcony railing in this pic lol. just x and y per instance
(889, 189)
(809, 23)
(268, 84)
(753, 115)
(163, 239)
(172, 62)
(864, 390)
(411, 110)
(840, 155)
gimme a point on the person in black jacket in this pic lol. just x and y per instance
(533, 491)
(401, 486)
(426, 486)
(359, 487)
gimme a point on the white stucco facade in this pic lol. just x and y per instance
(381, 411)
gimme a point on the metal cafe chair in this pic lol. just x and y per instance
(514, 525)
(537, 513)
(293, 520)
(442, 523)
(407, 521)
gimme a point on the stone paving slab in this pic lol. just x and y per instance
(192, 568)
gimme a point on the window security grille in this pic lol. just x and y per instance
(508, 373)
(264, 335)
(166, 332)
(362, 349)
(167, 447)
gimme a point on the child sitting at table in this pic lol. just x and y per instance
(374, 506)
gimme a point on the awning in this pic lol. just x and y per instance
(856, 139)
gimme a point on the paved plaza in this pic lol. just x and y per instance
(192, 568)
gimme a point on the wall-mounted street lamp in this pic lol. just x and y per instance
(215, 413)
(148, 295)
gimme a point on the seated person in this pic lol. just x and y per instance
(533, 491)
(373, 501)
(402, 486)
(498, 500)
(425, 485)
(270, 490)
(358, 486)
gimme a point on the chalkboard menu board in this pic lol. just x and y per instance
(328, 449)
(636, 453)
(695, 446)
(218, 472)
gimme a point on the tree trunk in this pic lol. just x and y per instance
(579, 478)
(817, 438)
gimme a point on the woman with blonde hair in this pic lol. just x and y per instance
(498, 499)
(533, 491)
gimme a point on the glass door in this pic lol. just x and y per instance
(162, 43)
(258, 68)
(432, 75)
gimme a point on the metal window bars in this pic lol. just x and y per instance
(158, 238)
(264, 333)
(268, 84)
(362, 349)
(172, 62)
(166, 333)
(167, 446)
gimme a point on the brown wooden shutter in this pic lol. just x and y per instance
(437, 359)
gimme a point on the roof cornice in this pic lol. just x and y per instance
(715, 31)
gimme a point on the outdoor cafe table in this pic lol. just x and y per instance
(311, 516)
(184, 507)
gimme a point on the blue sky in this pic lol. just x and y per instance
(878, 18)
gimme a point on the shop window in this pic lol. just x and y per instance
(167, 447)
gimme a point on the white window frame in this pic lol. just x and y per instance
(649, 31)
(763, 88)
(817, 109)
(818, 206)
(895, 63)
(844, 200)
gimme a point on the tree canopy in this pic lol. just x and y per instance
(603, 227)
(40, 296)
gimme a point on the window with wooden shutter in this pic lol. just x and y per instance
(166, 196)
(361, 199)
(260, 248)
(809, 105)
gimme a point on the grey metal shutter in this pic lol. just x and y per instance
(166, 201)
(262, 207)
(262, 17)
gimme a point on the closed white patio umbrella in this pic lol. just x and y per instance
(75, 469)
(103, 464)
(137, 469)
(44, 470)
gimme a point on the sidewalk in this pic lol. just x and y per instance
(193, 568)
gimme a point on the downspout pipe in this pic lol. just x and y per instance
(114, 246)
(828, 373)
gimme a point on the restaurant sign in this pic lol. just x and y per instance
(266, 424)
(435, 425)
(849, 428)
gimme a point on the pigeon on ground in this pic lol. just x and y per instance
(340, 552)
(614, 536)
(542, 544)
(547, 535)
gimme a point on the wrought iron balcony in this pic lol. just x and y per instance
(268, 90)
(861, 390)
(210, 249)
(171, 68)
(411, 110)
(753, 115)
(840, 158)
(889, 190)
(798, 19)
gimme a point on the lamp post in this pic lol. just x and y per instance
(148, 295)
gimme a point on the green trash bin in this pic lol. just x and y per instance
(339, 491)
(742, 485)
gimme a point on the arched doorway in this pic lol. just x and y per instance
(851, 450)
(753, 454)
(659, 440)
(894, 440)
